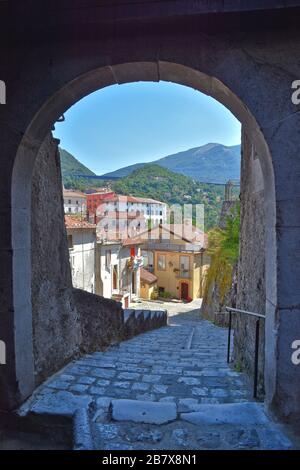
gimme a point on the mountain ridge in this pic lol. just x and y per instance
(212, 162)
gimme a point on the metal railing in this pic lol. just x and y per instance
(258, 317)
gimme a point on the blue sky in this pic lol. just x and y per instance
(140, 122)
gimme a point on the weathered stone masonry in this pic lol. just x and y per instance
(67, 321)
(56, 323)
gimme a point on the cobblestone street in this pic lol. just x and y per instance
(170, 388)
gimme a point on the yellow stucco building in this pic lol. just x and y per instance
(177, 258)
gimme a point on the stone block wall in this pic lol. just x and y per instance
(251, 267)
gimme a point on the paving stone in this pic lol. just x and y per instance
(117, 446)
(138, 434)
(167, 399)
(242, 438)
(200, 392)
(128, 376)
(121, 384)
(273, 439)
(59, 384)
(80, 370)
(67, 377)
(180, 436)
(60, 402)
(97, 390)
(210, 400)
(208, 440)
(107, 431)
(103, 382)
(103, 402)
(159, 388)
(103, 373)
(189, 380)
(187, 404)
(219, 392)
(86, 380)
(193, 373)
(141, 386)
(146, 397)
(143, 411)
(79, 388)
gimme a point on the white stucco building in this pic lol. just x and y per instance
(82, 252)
(74, 202)
(150, 209)
(119, 270)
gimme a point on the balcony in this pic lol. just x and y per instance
(183, 274)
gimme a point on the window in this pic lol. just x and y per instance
(69, 202)
(70, 209)
(115, 277)
(184, 266)
(184, 263)
(77, 202)
(161, 262)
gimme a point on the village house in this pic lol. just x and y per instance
(107, 267)
(176, 255)
(74, 202)
(82, 252)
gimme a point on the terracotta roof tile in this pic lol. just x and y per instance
(76, 222)
(147, 277)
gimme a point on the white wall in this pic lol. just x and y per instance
(105, 273)
(153, 211)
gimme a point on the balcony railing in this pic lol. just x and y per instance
(187, 247)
